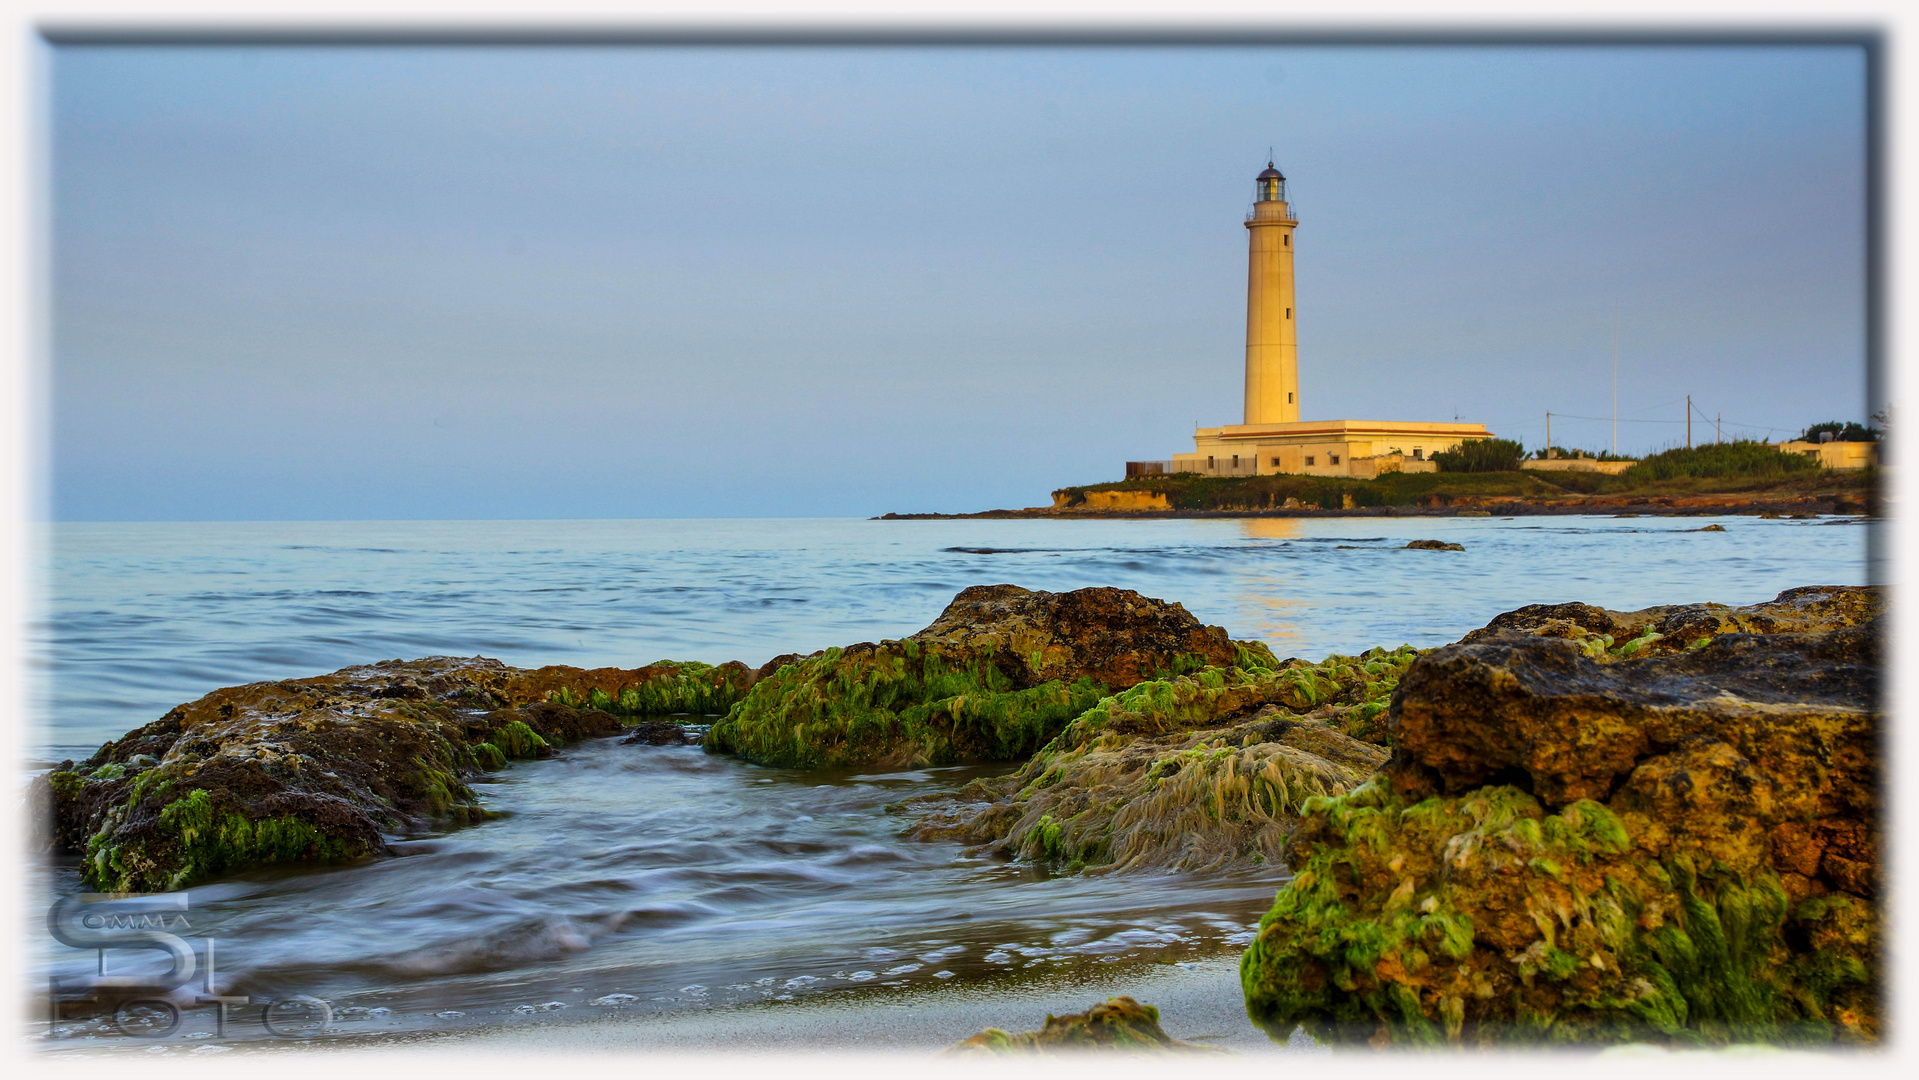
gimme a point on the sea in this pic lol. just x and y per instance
(632, 880)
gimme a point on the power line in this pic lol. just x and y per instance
(1620, 419)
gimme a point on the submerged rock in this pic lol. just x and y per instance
(657, 733)
(1433, 545)
(322, 769)
(999, 673)
(1678, 846)
(1194, 773)
(1118, 1023)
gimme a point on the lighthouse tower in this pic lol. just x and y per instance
(1272, 345)
(1271, 438)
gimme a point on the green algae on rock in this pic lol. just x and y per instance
(662, 688)
(1000, 672)
(1193, 773)
(323, 769)
(1679, 846)
(1671, 628)
(1118, 1023)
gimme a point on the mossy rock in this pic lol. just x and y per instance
(319, 770)
(997, 675)
(1679, 847)
(1194, 773)
(1484, 919)
(1116, 1024)
(897, 704)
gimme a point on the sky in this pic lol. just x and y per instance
(294, 283)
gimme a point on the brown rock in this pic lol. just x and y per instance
(1808, 609)
(319, 769)
(1116, 1024)
(1679, 847)
(656, 733)
(1113, 636)
(1000, 672)
(1540, 714)
(779, 662)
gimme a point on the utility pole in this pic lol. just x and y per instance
(1549, 435)
(1689, 421)
(1715, 427)
(1615, 378)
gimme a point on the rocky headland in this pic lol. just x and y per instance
(1498, 494)
(1574, 825)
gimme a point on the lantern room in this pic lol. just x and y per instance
(1272, 185)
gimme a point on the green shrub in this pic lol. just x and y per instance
(1544, 452)
(1850, 431)
(1482, 455)
(1754, 459)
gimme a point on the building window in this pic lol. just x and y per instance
(1334, 458)
(1275, 462)
(1309, 459)
(1289, 313)
(1289, 240)
(1419, 453)
(1209, 461)
(1235, 461)
(1289, 399)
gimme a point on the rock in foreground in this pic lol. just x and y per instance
(999, 673)
(1118, 1023)
(1576, 841)
(1195, 773)
(322, 769)
(1676, 627)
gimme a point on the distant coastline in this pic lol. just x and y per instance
(1504, 494)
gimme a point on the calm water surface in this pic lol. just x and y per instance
(632, 879)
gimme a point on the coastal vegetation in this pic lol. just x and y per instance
(1481, 455)
(1545, 453)
(1720, 460)
(1844, 431)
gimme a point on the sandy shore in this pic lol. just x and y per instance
(1199, 1001)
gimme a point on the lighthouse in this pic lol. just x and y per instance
(1270, 437)
(1272, 343)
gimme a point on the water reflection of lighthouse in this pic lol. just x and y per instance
(1268, 587)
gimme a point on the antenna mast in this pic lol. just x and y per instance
(1615, 378)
